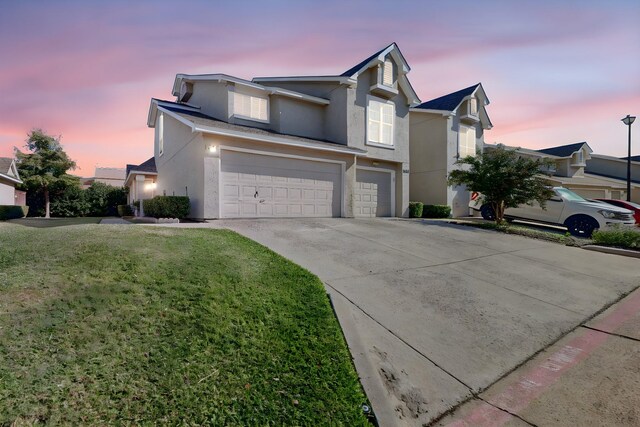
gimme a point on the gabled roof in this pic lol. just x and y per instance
(359, 66)
(5, 165)
(146, 166)
(450, 101)
(8, 170)
(565, 150)
(350, 76)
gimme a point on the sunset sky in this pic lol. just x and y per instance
(556, 72)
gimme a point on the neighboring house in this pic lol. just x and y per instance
(110, 176)
(613, 168)
(141, 180)
(444, 130)
(573, 166)
(8, 179)
(313, 146)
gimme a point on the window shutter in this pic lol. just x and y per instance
(252, 107)
(387, 78)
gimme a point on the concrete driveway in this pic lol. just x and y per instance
(435, 313)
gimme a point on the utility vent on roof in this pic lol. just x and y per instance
(186, 90)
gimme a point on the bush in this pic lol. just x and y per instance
(13, 212)
(436, 211)
(103, 199)
(125, 210)
(69, 202)
(415, 209)
(627, 238)
(167, 207)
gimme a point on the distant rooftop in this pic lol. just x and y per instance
(147, 166)
(563, 150)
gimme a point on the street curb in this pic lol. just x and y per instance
(613, 251)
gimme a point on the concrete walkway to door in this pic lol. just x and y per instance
(433, 312)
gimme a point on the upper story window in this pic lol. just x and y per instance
(250, 107)
(466, 141)
(579, 157)
(473, 106)
(387, 73)
(380, 122)
(160, 134)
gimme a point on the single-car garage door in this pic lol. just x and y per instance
(256, 185)
(372, 193)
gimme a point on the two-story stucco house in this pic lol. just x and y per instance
(442, 131)
(315, 146)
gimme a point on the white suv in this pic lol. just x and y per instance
(580, 216)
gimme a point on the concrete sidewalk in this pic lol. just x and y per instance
(590, 377)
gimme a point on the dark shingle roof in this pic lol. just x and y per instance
(563, 150)
(5, 164)
(351, 71)
(448, 102)
(633, 158)
(147, 166)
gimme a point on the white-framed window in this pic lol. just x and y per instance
(250, 107)
(387, 73)
(161, 134)
(380, 122)
(473, 106)
(466, 141)
(579, 157)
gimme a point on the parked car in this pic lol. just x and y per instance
(580, 216)
(634, 207)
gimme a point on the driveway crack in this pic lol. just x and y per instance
(401, 339)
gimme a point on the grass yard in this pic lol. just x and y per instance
(54, 222)
(142, 325)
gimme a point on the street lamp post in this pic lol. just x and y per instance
(627, 121)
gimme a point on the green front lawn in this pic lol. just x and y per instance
(54, 222)
(143, 325)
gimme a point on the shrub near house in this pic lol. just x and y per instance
(167, 207)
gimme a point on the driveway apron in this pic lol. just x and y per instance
(435, 313)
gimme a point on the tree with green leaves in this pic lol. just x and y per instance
(46, 166)
(504, 179)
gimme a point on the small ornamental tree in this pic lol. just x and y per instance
(503, 179)
(45, 167)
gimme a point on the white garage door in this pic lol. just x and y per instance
(255, 186)
(372, 193)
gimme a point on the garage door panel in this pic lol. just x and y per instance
(274, 186)
(372, 193)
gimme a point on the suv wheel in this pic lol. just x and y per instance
(487, 212)
(581, 225)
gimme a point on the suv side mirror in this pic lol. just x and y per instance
(555, 199)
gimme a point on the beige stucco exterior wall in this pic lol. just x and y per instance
(434, 152)
(180, 167)
(428, 154)
(7, 193)
(293, 117)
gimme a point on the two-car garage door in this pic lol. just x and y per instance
(256, 185)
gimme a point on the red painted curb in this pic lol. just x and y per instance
(518, 395)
